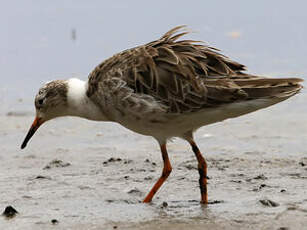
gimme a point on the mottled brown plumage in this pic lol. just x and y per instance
(186, 76)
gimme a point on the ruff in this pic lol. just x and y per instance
(166, 88)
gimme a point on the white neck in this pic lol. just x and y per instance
(79, 104)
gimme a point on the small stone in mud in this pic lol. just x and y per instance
(9, 212)
(114, 227)
(301, 163)
(269, 203)
(126, 177)
(56, 164)
(164, 204)
(283, 228)
(283, 190)
(54, 221)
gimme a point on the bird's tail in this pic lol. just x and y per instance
(281, 88)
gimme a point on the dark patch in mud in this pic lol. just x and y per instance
(148, 178)
(220, 164)
(57, 164)
(260, 187)
(303, 162)
(150, 162)
(43, 177)
(164, 204)
(113, 160)
(215, 201)
(236, 181)
(260, 177)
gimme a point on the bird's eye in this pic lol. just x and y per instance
(40, 101)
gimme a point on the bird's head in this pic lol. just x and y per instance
(50, 102)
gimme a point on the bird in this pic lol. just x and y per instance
(167, 88)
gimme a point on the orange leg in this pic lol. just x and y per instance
(202, 169)
(167, 169)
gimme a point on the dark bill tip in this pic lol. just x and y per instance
(37, 122)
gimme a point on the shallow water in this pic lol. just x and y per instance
(252, 158)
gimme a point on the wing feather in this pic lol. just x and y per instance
(186, 75)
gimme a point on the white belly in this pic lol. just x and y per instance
(176, 125)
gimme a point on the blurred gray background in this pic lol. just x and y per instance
(45, 40)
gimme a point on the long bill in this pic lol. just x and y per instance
(36, 123)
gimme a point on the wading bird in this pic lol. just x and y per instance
(166, 88)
